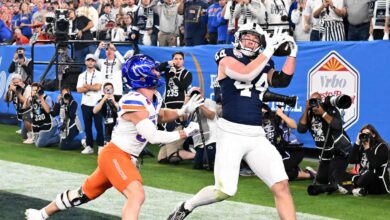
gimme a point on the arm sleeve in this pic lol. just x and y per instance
(377, 156)
(12, 68)
(336, 122)
(149, 131)
(302, 128)
(72, 110)
(56, 109)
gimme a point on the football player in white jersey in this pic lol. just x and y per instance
(136, 125)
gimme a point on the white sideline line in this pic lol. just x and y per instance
(44, 183)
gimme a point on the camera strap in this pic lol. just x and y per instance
(112, 67)
(86, 77)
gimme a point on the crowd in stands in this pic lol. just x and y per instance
(193, 22)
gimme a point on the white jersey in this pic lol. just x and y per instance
(125, 134)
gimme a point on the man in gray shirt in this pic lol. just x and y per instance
(357, 15)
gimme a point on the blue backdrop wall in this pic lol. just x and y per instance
(358, 69)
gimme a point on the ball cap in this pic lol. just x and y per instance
(90, 56)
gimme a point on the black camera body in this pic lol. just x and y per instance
(20, 56)
(313, 103)
(40, 92)
(67, 96)
(18, 89)
(364, 137)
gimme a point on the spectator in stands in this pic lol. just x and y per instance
(130, 32)
(5, 33)
(331, 13)
(212, 24)
(178, 79)
(298, 19)
(247, 11)
(170, 22)
(19, 38)
(86, 9)
(16, 16)
(227, 14)
(25, 20)
(38, 33)
(130, 7)
(358, 19)
(371, 152)
(379, 25)
(22, 65)
(18, 92)
(89, 84)
(106, 24)
(116, 9)
(81, 27)
(146, 21)
(108, 107)
(66, 108)
(278, 13)
(221, 23)
(195, 21)
(44, 126)
(208, 124)
(311, 24)
(40, 14)
(111, 67)
(277, 127)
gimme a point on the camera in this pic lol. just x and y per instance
(313, 102)
(40, 92)
(18, 89)
(67, 96)
(342, 101)
(364, 137)
(314, 190)
(20, 56)
(275, 97)
(108, 91)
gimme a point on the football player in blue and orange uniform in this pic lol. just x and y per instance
(139, 112)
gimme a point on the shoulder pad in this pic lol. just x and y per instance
(133, 102)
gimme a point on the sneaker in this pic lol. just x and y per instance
(33, 214)
(18, 131)
(179, 213)
(84, 143)
(100, 148)
(29, 141)
(87, 150)
(342, 190)
(311, 171)
(359, 192)
(246, 172)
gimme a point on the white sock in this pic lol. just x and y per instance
(205, 196)
(44, 214)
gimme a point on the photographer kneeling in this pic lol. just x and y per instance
(109, 108)
(43, 124)
(66, 108)
(324, 122)
(370, 151)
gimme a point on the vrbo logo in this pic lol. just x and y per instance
(333, 82)
(333, 75)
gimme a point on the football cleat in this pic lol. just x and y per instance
(179, 213)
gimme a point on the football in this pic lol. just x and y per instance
(283, 50)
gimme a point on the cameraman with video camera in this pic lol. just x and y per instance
(66, 108)
(371, 152)
(17, 93)
(44, 126)
(109, 108)
(324, 122)
(22, 65)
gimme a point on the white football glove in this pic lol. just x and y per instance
(274, 42)
(293, 46)
(191, 129)
(386, 36)
(188, 108)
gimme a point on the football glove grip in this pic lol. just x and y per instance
(188, 108)
(273, 43)
(71, 198)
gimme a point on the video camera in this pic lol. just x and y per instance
(58, 24)
(342, 101)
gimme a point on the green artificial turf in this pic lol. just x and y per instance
(183, 178)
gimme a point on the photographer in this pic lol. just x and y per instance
(17, 93)
(66, 108)
(277, 127)
(108, 106)
(324, 122)
(43, 124)
(22, 65)
(371, 152)
(111, 67)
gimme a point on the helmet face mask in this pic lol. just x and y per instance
(241, 36)
(139, 72)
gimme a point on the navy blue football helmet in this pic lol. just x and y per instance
(137, 72)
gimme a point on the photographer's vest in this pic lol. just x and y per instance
(20, 71)
(19, 105)
(174, 96)
(41, 120)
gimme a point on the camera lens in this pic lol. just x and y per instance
(40, 92)
(20, 56)
(313, 103)
(66, 96)
(363, 137)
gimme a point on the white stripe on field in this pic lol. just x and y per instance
(44, 183)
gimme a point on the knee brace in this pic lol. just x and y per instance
(71, 198)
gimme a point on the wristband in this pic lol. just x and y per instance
(323, 115)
